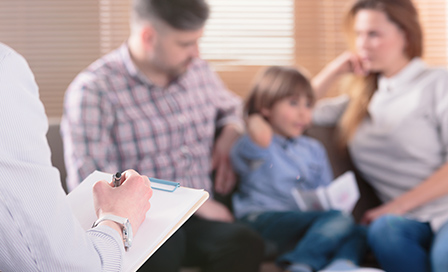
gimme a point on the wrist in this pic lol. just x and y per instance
(232, 131)
(398, 207)
(112, 224)
(227, 137)
(120, 224)
(334, 70)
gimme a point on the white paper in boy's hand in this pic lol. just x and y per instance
(341, 194)
(312, 200)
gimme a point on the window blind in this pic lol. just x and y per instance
(60, 38)
(319, 34)
(242, 36)
(434, 19)
(114, 23)
(250, 32)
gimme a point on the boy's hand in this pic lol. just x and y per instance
(260, 131)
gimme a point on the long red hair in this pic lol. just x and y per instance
(402, 13)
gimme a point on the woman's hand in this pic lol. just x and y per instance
(260, 131)
(434, 187)
(348, 62)
(388, 208)
(345, 63)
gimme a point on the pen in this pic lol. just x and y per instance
(116, 179)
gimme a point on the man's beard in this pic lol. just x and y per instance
(180, 69)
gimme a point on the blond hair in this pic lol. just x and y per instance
(405, 16)
(274, 84)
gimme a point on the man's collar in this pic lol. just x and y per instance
(130, 65)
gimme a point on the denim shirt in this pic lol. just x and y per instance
(268, 175)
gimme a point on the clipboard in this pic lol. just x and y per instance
(164, 185)
(171, 206)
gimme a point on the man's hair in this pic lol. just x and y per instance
(178, 14)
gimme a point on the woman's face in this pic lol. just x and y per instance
(380, 43)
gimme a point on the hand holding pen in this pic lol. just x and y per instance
(129, 200)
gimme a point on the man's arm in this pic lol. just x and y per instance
(86, 129)
(224, 176)
(229, 120)
(39, 230)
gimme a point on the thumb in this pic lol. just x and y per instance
(101, 186)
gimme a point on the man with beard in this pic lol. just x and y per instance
(153, 105)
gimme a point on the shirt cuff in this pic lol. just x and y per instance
(104, 230)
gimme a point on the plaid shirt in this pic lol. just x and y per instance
(116, 119)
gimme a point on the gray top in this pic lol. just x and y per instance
(404, 140)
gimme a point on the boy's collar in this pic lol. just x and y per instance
(284, 141)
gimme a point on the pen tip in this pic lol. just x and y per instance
(118, 174)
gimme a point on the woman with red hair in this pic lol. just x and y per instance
(394, 122)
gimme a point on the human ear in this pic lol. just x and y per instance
(147, 36)
(265, 112)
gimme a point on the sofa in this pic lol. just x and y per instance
(57, 149)
(339, 160)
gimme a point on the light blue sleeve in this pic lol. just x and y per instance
(244, 152)
(326, 176)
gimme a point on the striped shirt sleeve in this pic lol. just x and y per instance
(38, 230)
